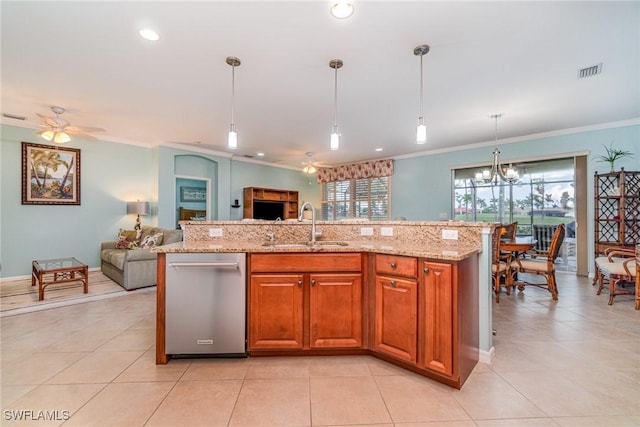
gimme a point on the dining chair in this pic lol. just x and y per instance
(500, 265)
(543, 235)
(620, 269)
(509, 231)
(545, 268)
(612, 254)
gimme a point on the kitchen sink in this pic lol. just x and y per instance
(305, 244)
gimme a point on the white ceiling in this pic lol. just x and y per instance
(520, 59)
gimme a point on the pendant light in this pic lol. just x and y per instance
(507, 174)
(232, 141)
(421, 131)
(335, 136)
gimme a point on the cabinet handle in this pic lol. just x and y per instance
(393, 283)
(426, 270)
(313, 282)
(393, 265)
(299, 282)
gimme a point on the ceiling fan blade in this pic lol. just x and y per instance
(82, 129)
(49, 121)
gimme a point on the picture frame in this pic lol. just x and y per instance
(193, 194)
(50, 175)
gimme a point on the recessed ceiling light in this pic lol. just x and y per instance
(378, 149)
(260, 154)
(149, 34)
(342, 9)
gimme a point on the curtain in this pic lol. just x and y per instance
(373, 169)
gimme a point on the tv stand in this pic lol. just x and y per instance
(256, 198)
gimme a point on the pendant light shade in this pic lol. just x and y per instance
(335, 136)
(232, 141)
(421, 130)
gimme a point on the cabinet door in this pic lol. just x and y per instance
(335, 310)
(439, 321)
(276, 311)
(396, 317)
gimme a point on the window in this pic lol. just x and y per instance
(356, 198)
(544, 194)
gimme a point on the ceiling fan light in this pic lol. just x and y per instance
(48, 135)
(309, 169)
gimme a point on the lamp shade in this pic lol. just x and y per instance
(140, 208)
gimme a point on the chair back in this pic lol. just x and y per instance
(509, 231)
(543, 234)
(495, 245)
(556, 242)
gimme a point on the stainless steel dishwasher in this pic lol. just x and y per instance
(206, 304)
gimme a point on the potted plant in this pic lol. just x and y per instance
(612, 155)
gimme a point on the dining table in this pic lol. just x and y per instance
(518, 246)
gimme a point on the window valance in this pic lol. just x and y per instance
(373, 169)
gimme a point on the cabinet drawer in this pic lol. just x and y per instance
(397, 265)
(306, 263)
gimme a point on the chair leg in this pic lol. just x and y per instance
(612, 289)
(496, 287)
(551, 285)
(600, 278)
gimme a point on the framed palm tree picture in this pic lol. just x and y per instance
(50, 175)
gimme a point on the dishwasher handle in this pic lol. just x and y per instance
(235, 265)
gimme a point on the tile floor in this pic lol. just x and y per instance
(571, 363)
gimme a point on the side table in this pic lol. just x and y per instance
(60, 270)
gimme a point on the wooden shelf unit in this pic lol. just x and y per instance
(617, 213)
(288, 197)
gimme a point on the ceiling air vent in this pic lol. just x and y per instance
(583, 73)
(13, 116)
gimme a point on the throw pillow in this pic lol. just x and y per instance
(128, 239)
(151, 241)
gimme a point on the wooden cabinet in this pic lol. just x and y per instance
(276, 307)
(396, 306)
(335, 310)
(305, 301)
(267, 203)
(438, 317)
(448, 318)
(617, 210)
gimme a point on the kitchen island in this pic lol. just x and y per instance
(393, 290)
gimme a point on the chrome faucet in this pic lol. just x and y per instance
(313, 219)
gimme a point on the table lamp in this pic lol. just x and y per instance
(139, 208)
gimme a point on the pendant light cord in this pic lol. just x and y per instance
(335, 98)
(421, 92)
(233, 91)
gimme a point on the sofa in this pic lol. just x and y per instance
(129, 262)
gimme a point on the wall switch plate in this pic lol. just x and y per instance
(386, 231)
(215, 232)
(450, 234)
(366, 231)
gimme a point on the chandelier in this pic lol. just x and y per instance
(497, 172)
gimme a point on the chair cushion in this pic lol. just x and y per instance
(533, 265)
(616, 268)
(128, 239)
(502, 267)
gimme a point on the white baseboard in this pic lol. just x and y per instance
(487, 356)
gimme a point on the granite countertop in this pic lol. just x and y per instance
(450, 251)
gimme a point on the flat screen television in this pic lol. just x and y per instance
(268, 210)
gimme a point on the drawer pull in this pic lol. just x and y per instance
(426, 270)
(313, 282)
(394, 265)
(393, 283)
(300, 283)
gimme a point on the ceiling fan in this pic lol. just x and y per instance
(309, 166)
(59, 130)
